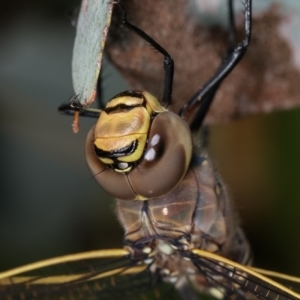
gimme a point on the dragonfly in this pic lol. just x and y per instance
(181, 239)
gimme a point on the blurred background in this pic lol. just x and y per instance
(50, 205)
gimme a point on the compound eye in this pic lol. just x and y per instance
(166, 158)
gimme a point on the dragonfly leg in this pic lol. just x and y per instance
(168, 60)
(202, 100)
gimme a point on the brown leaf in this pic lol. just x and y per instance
(265, 80)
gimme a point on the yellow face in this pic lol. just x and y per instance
(122, 129)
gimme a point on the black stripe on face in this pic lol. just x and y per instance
(127, 150)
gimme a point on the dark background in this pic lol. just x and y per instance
(50, 205)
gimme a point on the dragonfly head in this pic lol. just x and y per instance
(138, 149)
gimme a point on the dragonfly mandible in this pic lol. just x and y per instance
(175, 210)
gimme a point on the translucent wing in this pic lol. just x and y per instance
(231, 280)
(106, 274)
(111, 274)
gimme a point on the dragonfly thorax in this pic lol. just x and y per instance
(194, 215)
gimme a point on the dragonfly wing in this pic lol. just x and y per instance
(95, 277)
(230, 280)
(111, 274)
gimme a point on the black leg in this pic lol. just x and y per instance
(204, 97)
(168, 61)
(232, 30)
(73, 107)
(101, 103)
